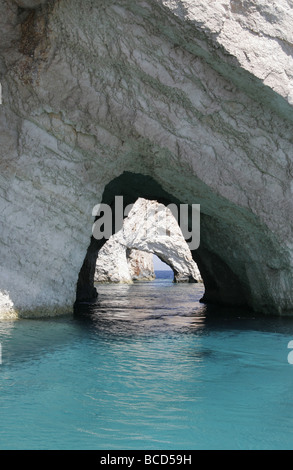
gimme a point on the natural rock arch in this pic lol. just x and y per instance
(191, 98)
(223, 284)
(151, 228)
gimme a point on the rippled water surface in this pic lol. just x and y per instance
(150, 368)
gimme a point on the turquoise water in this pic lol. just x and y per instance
(152, 368)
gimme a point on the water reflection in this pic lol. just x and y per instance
(147, 366)
(142, 310)
(145, 308)
(165, 308)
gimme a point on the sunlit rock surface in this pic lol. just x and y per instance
(7, 307)
(118, 264)
(112, 264)
(150, 228)
(195, 95)
(141, 265)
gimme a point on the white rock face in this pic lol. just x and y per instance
(194, 96)
(7, 307)
(112, 264)
(257, 33)
(117, 264)
(141, 265)
(150, 228)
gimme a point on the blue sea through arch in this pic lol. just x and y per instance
(150, 368)
(164, 275)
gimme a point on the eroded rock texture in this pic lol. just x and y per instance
(196, 96)
(118, 264)
(150, 228)
(141, 265)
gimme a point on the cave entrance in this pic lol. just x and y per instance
(222, 286)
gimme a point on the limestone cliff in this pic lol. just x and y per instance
(192, 98)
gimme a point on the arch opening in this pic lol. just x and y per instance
(222, 284)
(159, 265)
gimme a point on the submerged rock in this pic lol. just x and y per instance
(169, 100)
